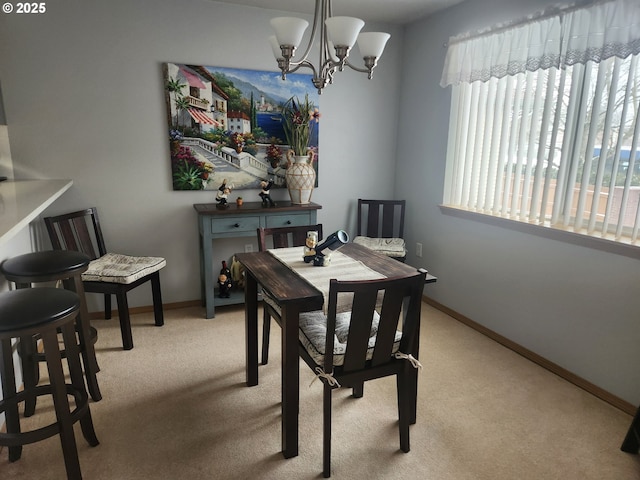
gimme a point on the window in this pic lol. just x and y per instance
(545, 122)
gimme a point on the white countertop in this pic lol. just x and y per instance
(21, 201)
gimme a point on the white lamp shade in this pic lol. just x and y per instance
(289, 30)
(343, 31)
(371, 44)
(275, 46)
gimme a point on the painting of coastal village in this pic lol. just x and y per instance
(225, 124)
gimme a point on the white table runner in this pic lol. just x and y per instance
(341, 267)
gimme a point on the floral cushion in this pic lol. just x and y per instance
(313, 336)
(392, 247)
(117, 268)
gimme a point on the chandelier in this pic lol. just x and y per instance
(337, 36)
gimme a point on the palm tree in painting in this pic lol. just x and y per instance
(182, 103)
(174, 86)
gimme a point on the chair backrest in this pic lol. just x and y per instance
(381, 218)
(78, 231)
(366, 300)
(282, 237)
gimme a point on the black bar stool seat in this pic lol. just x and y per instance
(49, 266)
(44, 312)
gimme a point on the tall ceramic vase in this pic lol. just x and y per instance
(300, 177)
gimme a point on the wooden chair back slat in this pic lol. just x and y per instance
(364, 303)
(390, 313)
(79, 231)
(282, 237)
(86, 244)
(381, 218)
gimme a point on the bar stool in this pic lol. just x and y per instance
(43, 312)
(50, 266)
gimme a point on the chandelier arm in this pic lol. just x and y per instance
(302, 64)
(320, 6)
(370, 64)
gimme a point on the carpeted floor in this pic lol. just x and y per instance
(176, 407)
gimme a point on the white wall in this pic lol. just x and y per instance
(575, 306)
(84, 100)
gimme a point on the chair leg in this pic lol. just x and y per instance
(61, 405)
(403, 381)
(412, 388)
(326, 434)
(266, 330)
(125, 321)
(8, 382)
(87, 349)
(157, 299)
(358, 390)
(77, 381)
(107, 306)
(28, 349)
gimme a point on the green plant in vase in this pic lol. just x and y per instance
(298, 120)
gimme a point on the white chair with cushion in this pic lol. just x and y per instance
(108, 273)
(381, 227)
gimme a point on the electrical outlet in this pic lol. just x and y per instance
(248, 248)
(419, 250)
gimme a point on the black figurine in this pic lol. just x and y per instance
(265, 194)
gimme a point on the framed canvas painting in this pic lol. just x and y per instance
(225, 125)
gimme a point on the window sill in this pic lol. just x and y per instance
(583, 240)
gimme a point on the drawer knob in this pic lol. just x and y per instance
(288, 222)
(236, 225)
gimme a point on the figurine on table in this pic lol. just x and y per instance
(224, 286)
(223, 193)
(265, 194)
(310, 246)
(224, 281)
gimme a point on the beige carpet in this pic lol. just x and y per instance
(176, 407)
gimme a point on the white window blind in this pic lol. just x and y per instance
(545, 121)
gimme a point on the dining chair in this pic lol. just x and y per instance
(380, 227)
(108, 273)
(348, 348)
(279, 237)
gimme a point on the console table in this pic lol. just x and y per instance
(240, 221)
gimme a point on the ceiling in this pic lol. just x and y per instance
(382, 11)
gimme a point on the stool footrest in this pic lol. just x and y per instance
(93, 337)
(32, 436)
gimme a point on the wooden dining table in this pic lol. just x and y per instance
(295, 294)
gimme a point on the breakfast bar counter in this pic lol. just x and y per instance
(21, 201)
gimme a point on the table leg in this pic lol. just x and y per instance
(290, 380)
(209, 282)
(251, 329)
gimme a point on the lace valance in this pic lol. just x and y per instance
(572, 36)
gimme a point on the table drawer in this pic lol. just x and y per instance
(276, 221)
(235, 224)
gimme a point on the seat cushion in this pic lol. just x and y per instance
(392, 247)
(313, 334)
(117, 268)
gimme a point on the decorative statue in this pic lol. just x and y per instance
(265, 194)
(223, 193)
(333, 242)
(310, 246)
